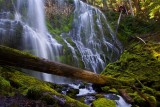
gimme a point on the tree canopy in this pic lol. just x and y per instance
(149, 8)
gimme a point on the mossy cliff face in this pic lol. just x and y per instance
(138, 66)
(11, 30)
(59, 23)
(59, 16)
(6, 5)
(13, 82)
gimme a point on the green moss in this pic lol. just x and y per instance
(148, 90)
(72, 92)
(138, 100)
(130, 26)
(139, 66)
(6, 5)
(49, 100)
(136, 61)
(70, 1)
(5, 87)
(99, 96)
(103, 102)
(157, 95)
(35, 93)
(10, 78)
(69, 40)
(4, 84)
(58, 24)
(5, 49)
(67, 56)
(113, 90)
(105, 89)
(152, 99)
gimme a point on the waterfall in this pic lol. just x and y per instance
(93, 37)
(73, 50)
(9, 29)
(95, 42)
(36, 37)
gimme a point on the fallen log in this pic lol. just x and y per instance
(12, 57)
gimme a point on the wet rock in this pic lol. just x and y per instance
(72, 92)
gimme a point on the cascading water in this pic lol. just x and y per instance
(75, 57)
(91, 33)
(94, 40)
(9, 29)
(36, 38)
(93, 37)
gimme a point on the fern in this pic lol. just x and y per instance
(154, 8)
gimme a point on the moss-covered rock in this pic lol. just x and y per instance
(35, 93)
(139, 65)
(5, 86)
(103, 102)
(60, 22)
(49, 100)
(11, 78)
(6, 5)
(72, 92)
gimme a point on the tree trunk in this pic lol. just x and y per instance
(105, 7)
(131, 9)
(137, 6)
(12, 57)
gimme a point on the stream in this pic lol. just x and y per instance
(95, 42)
(87, 92)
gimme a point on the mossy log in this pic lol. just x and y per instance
(12, 57)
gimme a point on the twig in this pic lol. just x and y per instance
(141, 39)
(144, 97)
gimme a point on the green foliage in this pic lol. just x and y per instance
(34, 93)
(138, 100)
(35, 89)
(70, 1)
(49, 100)
(153, 8)
(59, 24)
(138, 66)
(129, 26)
(105, 89)
(66, 55)
(6, 5)
(5, 87)
(103, 102)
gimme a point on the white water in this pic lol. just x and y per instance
(89, 36)
(36, 36)
(83, 91)
(74, 55)
(88, 90)
(35, 31)
(96, 46)
(92, 43)
(122, 103)
(7, 28)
